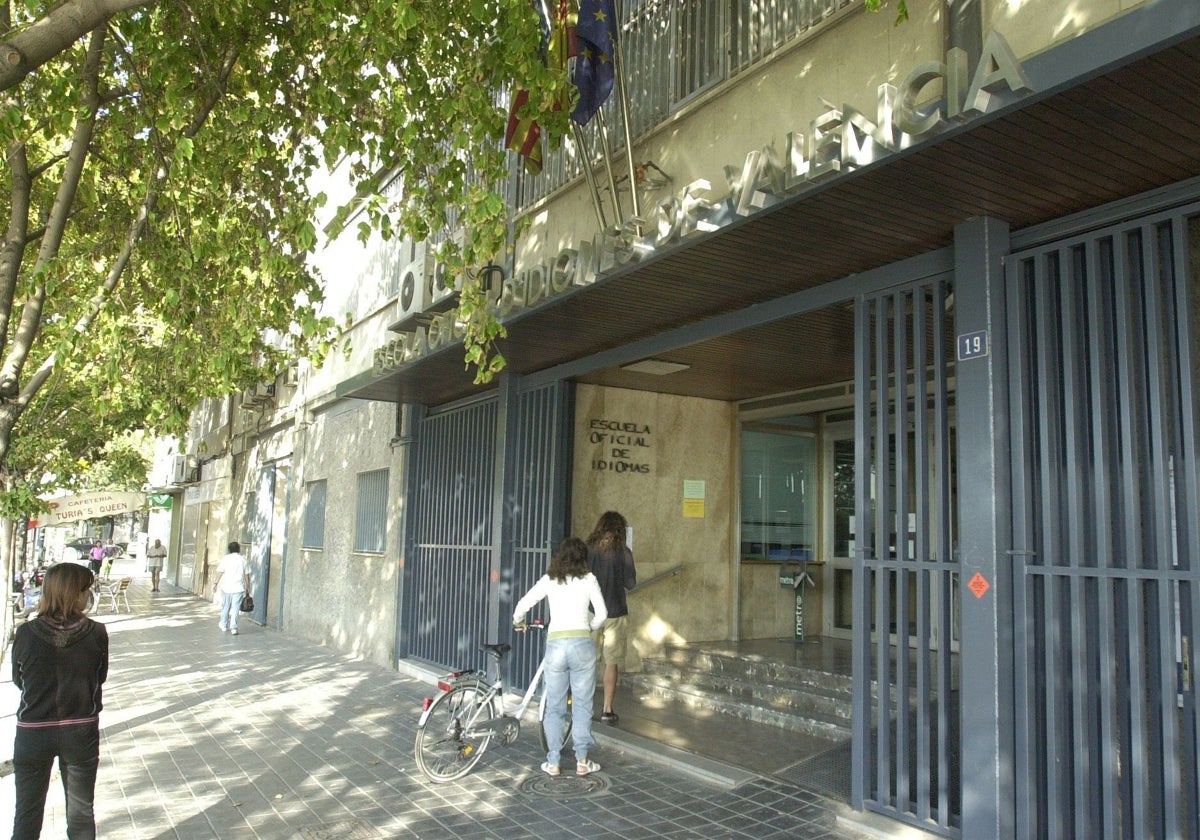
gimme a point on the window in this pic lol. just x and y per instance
(314, 515)
(779, 491)
(370, 513)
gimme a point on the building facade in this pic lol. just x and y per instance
(910, 309)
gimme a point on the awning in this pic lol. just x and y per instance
(66, 509)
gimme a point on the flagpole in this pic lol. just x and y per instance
(623, 99)
(586, 157)
(607, 154)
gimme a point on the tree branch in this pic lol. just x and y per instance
(149, 204)
(62, 26)
(56, 225)
(17, 237)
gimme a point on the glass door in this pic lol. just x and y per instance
(838, 603)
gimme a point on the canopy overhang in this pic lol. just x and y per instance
(1113, 113)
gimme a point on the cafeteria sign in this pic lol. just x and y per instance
(66, 509)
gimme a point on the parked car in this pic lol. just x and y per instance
(76, 550)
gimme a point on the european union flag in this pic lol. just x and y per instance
(595, 72)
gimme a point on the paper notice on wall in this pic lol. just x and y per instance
(693, 499)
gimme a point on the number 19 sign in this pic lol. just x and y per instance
(972, 345)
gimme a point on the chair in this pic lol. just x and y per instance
(117, 594)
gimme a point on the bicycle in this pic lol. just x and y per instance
(458, 725)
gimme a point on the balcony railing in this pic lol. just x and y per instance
(674, 51)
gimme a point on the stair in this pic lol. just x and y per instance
(794, 698)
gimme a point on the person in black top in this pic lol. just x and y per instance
(59, 662)
(612, 564)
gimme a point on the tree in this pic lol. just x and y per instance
(157, 163)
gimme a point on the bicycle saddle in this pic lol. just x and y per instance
(499, 649)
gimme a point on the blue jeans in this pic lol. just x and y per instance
(77, 749)
(231, 604)
(570, 663)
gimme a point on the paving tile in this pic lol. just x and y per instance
(319, 739)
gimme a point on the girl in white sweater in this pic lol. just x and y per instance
(570, 654)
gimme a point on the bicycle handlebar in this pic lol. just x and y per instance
(536, 624)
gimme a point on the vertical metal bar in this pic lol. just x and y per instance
(1076, 405)
(1021, 394)
(1057, 754)
(1187, 506)
(1103, 409)
(900, 450)
(1136, 799)
(1160, 553)
(945, 542)
(411, 418)
(860, 723)
(921, 467)
(884, 522)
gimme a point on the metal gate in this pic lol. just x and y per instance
(1105, 533)
(451, 543)
(905, 746)
(462, 518)
(538, 513)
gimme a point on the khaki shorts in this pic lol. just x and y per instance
(612, 642)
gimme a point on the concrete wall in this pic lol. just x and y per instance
(843, 63)
(674, 439)
(1032, 27)
(336, 596)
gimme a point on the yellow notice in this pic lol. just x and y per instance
(693, 498)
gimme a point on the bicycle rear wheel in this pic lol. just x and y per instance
(443, 750)
(542, 722)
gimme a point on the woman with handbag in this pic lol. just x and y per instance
(232, 581)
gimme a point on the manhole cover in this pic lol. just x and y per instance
(349, 830)
(564, 786)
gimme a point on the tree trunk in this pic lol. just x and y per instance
(6, 563)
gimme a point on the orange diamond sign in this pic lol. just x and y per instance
(978, 585)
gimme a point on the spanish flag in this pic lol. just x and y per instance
(524, 135)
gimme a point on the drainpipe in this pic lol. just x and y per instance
(964, 28)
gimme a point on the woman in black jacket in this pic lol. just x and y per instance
(59, 661)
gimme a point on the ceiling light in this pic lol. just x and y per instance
(655, 367)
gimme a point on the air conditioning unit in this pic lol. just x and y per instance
(183, 469)
(291, 376)
(415, 285)
(253, 398)
(444, 289)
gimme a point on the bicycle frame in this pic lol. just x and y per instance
(473, 728)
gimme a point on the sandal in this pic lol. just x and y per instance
(586, 766)
(550, 769)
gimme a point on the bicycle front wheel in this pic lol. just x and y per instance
(443, 750)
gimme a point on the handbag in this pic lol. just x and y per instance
(247, 603)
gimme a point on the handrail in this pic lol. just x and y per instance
(662, 576)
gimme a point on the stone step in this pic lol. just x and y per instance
(759, 670)
(809, 721)
(788, 696)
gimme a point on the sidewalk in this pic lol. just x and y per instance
(207, 735)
